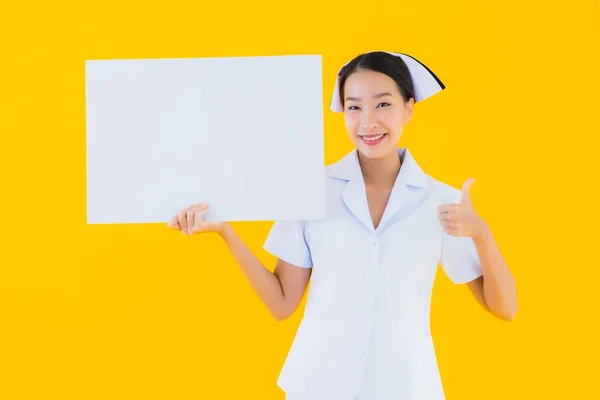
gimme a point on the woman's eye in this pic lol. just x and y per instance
(352, 108)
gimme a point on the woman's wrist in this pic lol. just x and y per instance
(226, 231)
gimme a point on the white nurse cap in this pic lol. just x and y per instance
(425, 82)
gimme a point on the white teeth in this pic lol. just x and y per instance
(374, 138)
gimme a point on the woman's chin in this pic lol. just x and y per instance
(375, 152)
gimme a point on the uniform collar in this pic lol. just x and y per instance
(410, 174)
(354, 191)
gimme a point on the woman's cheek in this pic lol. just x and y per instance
(351, 123)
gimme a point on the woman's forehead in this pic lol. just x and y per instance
(366, 81)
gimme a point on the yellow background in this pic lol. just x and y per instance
(142, 312)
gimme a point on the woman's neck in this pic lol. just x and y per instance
(382, 172)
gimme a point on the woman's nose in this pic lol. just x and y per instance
(367, 123)
(368, 126)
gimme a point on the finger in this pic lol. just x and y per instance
(466, 191)
(452, 231)
(447, 216)
(451, 224)
(173, 223)
(190, 220)
(182, 219)
(448, 208)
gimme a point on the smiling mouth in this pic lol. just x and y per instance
(372, 138)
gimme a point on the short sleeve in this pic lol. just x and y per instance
(287, 241)
(459, 260)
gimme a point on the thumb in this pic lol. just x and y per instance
(466, 191)
(199, 216)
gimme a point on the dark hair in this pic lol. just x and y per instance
(385, 63)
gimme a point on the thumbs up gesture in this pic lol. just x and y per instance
(461, 219)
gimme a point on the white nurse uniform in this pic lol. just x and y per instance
(365, 333)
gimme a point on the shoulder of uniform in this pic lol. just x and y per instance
(445, 191)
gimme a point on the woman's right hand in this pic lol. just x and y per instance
(189, 221)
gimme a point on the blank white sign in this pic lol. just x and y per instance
(243, 134)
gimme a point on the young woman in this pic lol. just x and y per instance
(365, 333)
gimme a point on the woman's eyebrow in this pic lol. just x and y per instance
(376, 96)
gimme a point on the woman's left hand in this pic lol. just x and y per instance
(462, 219)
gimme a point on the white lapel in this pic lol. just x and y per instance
(410, 176)
(354, 193)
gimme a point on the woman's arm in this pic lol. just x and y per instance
(281, 290)
(496, 290)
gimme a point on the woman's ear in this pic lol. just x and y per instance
(410, 104)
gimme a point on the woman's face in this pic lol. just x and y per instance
(375, 113)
